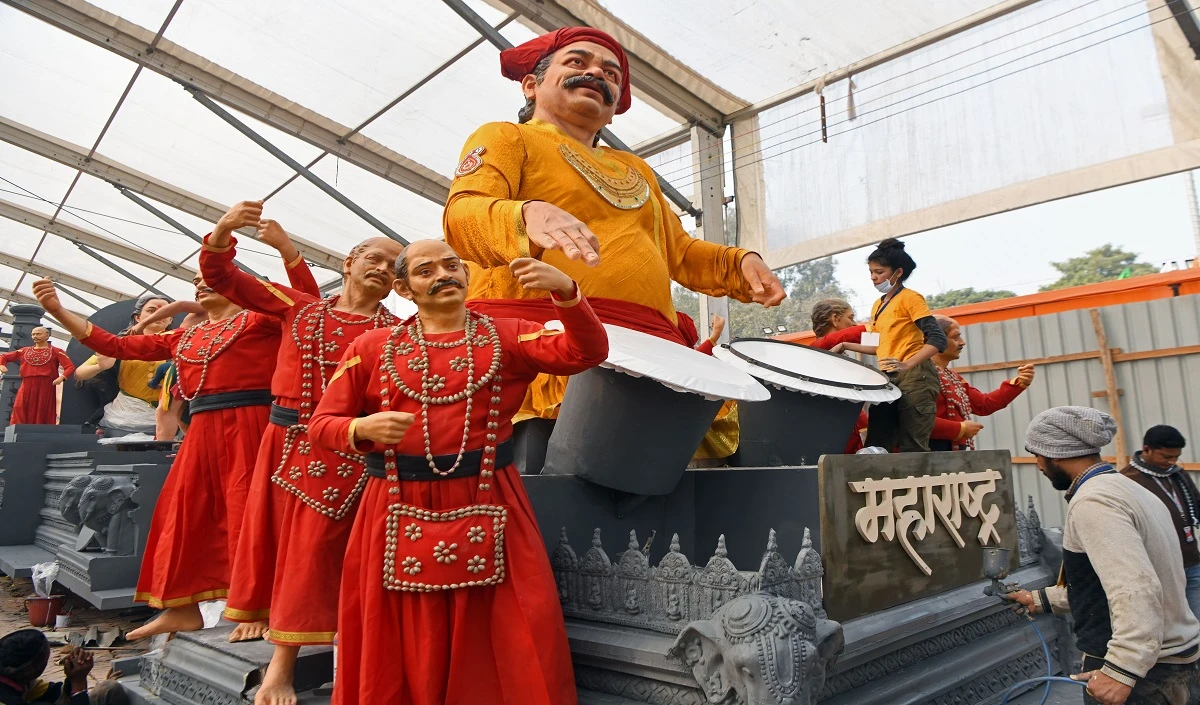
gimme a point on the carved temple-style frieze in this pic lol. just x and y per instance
(666, 597)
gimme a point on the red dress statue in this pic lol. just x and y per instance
(36, 400)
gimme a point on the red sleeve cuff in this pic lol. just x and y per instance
(576, 296)
(219, 250)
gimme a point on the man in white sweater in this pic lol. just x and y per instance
(1122, 578)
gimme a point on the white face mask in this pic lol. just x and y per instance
(885, 286)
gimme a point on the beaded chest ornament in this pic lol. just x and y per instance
(333, 496)
(37, 356)
(426, 550)
(215, 342)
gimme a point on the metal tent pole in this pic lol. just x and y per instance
(295, 165)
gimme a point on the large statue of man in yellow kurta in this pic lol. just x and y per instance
(542, 188)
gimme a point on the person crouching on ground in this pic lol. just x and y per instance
(24, 655)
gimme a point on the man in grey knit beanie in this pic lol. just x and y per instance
(1069, 432)
(1123, 578)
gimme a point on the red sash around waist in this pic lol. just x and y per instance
(614, 311)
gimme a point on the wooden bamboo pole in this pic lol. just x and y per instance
(1110, 387)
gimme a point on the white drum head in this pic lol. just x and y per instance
(810, 370)
(678, 367)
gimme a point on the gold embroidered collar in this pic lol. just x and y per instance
(621, 185)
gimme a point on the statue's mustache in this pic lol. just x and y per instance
(442, 284)
(586, 80)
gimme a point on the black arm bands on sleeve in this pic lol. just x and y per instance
(1043, 601)
(933, 333)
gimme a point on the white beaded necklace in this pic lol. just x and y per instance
(313, 338)
(214, 332)
(432, 383)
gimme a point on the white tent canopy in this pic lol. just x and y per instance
(953, 109)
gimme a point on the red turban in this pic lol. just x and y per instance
(518, 62)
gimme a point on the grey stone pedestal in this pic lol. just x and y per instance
(23, 488)
(203, 668)
(41, 526)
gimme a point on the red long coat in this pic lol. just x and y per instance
(289, 556)
(36, 401)
(504, 644)
(199, 512)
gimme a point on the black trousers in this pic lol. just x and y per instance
(1165, 684)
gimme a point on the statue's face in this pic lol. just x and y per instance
(582, 85)
(763, 649)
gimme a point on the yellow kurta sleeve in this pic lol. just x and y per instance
(483, 220)
(706, 267)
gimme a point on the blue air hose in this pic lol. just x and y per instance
(1049, 679)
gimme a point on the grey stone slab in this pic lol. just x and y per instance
(980, 670)
(17, 561)
(26, 431)
(110, 599)
(563, 501)
(203, 667)
(138, 695)
(745, 504)
(873, 635)
(1060, 694)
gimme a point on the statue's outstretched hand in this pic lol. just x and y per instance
(273, 234)
(765, 287)
(244, 214)
(533, 274)
(552, 228)
(47, 296)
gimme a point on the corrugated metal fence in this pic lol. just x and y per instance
(1155, 390)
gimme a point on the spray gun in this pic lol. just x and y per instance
(995, 567)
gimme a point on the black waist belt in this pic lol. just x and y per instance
(416, 467)
(230, 400)
(284, 416)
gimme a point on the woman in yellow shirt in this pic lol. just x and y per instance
(133, 408)
(909, 337)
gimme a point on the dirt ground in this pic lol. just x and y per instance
(14, 616)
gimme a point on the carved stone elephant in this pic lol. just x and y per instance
(104, 508)
(760, 650)
(68, 501)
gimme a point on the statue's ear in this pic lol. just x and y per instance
(116, 499)
(699, 647)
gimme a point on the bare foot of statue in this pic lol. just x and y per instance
(276, 688)
(175, 619)
(248, 631)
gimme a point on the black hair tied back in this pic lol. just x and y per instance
(891, 253)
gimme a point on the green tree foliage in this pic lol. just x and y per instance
(1099, 265)
(806, 283)
(962, 297)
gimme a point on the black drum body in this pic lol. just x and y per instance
(816, 397)
(627, 433)
(793, 428)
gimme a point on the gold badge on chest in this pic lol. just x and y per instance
(621, 185)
